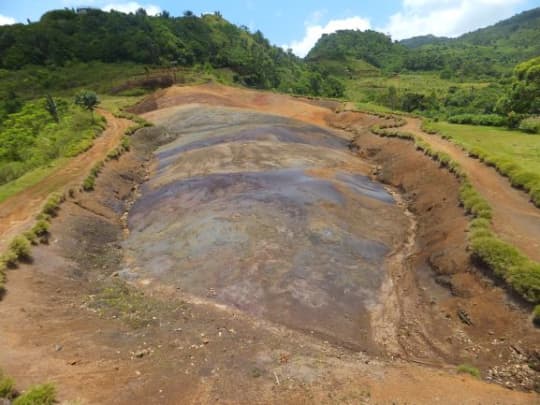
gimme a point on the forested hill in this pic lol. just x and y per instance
(487, 52)
(64, 36)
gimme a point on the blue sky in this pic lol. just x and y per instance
(299, 23)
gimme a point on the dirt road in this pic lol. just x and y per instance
(18, 212)
(515, 219)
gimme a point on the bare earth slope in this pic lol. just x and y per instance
(240, 253)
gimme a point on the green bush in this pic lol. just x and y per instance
(530, 125)
(44, 394)
(90, 181)
(536, 315)
(6, 387)
(468, 369)
(41, 227)
(20, 246)
(492, 120)
(53, 204)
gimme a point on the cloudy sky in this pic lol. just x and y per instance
(298, 24)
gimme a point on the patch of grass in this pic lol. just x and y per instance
(29, 179)
(120, 149)
(53, 204)
(514, 154)
(119, 300)
(21, 248)
(536, 315)
(90, 181)
(468, 369)
(7, 387)
(44, 394)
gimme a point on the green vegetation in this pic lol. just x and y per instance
(6, 386)
(207, 43)
(486, 53)
(31, 138)
(530, 125)
(52, 204)
(468, 369)
(87, 100)
(519, 272)
(44, 394)
(90, 181)
(536, 315)
(514, 154)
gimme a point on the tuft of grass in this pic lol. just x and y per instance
(43, 394)
(120, 149)
(468, 369)
(90, 181)
(536, 316)
(21, 248)
(6, 387)
(53, 204)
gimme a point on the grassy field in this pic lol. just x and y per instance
(371, 87)
(514, 154)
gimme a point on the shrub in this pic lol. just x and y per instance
(536, 316)
(468, 369)
(530, 125)
(41, 227)
(9, 258)
(493, 120)
(52, 204)
(6, 387)
(20, 246)
(44, 394)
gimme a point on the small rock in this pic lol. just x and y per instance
(141, 353)
(57, 348)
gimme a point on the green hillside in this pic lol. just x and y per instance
(64, 37)
(490, 52)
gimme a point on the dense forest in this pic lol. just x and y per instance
(490, 52)
(66, 36)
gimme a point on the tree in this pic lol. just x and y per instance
(52, 108)
(87, 100)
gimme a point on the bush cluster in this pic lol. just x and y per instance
(493, 120)
(43, 394)
(530, 125)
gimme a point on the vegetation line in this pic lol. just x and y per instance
(502, 259)
(90, 181)
(519, 178)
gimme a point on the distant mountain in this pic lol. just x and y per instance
(488, 52)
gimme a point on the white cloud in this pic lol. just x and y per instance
(6, 20)
(446, 17)
(315, 31)
(131, 7)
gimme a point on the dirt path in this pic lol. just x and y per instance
(515, 219)
(18, 211)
